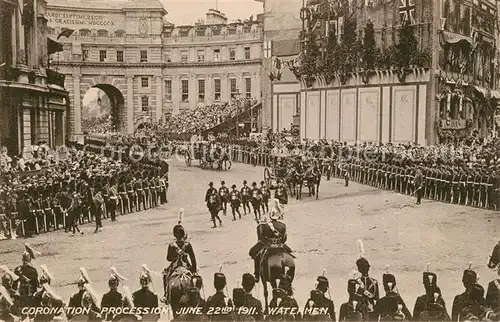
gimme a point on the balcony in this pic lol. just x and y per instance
(55, 78)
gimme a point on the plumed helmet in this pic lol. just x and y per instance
(469, 277)
(254, 184)
(44, 279)
(223, 182)
(197, 281)
(178, 229)
(29, 253)
(322, 283)
(210, 183)
(219, 281)
(389, 280)
(7, 280)
(233, 186)
(362, 263)
(87, 300)
(352, 286)
(113, 281)
(244, 182)
(83, 278)
(248, 281)
(429, 278)
(285, 282)
(144, 279)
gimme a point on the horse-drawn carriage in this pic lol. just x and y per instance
(295, 174)
(207, 154)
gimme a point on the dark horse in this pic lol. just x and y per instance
(273, 264)
(495, 257)
(176, 285)
(313, 180)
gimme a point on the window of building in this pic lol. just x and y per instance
(247, 29)
(119, 56)
(184, 56)
(216, 54)
(120, 33)
(201, 55)
(85, 33)
(102, 55)
(168, 90)
(185, 90)
(85, 54)
(144, 56)
(232, 87)
(248, 87)
(247, 52)
(200, 32)
(215, 32)
(231, 31)
(201, 89)
(232, 53)
(168, 56)
(217, 88)
(184, 33)
(144, 82)
(102, 33)
(145, 103)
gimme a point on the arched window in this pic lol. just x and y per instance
(102, 33)
(84, 32)
(120, 33)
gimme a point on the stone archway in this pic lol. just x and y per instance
(107, 117)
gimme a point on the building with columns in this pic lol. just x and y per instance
(33, 101)
(149, 68)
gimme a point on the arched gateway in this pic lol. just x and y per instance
(105, 113)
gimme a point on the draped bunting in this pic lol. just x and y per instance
(452, 38)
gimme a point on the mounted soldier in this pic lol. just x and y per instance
(177, 278)
(493, 291)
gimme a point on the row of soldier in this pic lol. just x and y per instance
(25, 288)
(88, 189)
(254, 198)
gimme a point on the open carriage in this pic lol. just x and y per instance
(207, 155)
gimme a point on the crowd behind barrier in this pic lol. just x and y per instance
(82, 187)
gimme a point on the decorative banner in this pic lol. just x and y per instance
(407, 11)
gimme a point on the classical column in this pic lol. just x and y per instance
(209, 89)
(21, 49)
(130, 104)
(193, 92)
(225, 88)
(77, 100)
(159, 97)
(240, 84)
(14, 37)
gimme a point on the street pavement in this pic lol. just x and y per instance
(322, 233)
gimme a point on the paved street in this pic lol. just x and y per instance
(322, 234)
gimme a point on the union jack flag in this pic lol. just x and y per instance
(407, 11)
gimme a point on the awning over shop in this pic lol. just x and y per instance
(53, 46)
(452, 38)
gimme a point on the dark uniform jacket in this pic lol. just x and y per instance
(210, 191)
(369, 292)
(286, 302)
(493, 295)
(187, 254)
(250, 302)
(349, 312)
(27, 284)
(111, 299)
(459, 303)
(224, 193)
(319, 303)
(245, 193)
(217, 309)
(145, 298)
(213, 201)
(427, 309)
(387, 307)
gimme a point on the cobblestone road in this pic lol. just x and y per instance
(322, 234)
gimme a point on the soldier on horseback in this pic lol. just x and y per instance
(493, 292)
(180, 252)
(272, 236)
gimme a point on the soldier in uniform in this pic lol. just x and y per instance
(144, 298)
(250, 302)
(475, 309)
(493, 293)
(132, 196)
(283, 298)
(245, 197)
(319, 300)
(354, 309)
(180, 251)
(368, 289)
(74, 213)
(266, 195)
(27, 284)
(391, 307)
(256, 201)
(419, 185)
(235, 197)
(273, 234)
(140, 193)
(280, 192)
(113, 200)
(217, 306)
(214, 205)
(430, 306)
(98, 202)
(224, 196)
(211, 190)
(146, 191)
(112, 299)
(76, 300)
(469, 279)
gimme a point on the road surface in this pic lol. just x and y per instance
(322, 233)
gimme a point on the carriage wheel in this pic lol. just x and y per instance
(267, 176)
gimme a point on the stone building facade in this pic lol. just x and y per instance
(33, 98)
(149, 68)
(446, 93)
